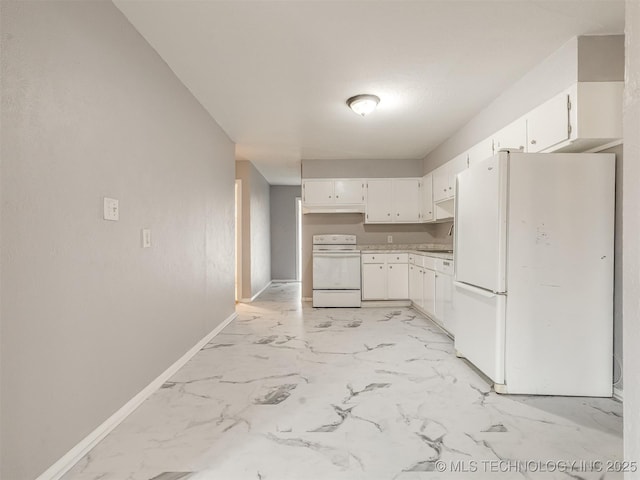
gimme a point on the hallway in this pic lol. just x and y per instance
(288, 392)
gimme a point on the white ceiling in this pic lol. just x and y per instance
(276, 74)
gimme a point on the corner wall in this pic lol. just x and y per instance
(89, 317)
(256, 229)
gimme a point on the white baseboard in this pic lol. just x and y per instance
(618, 394)
(73, 456)
(249, 300)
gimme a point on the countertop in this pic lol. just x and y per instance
(431, 250)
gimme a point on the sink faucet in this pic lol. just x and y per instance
(450, 230)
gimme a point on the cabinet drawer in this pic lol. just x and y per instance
(417, 260)
(373, 258)
(444, 266)
(397, 257)
(429, 262)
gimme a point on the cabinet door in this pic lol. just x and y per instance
(444, 300)
(513, 136)
(397, 281)
(318, 192)
(548, 124)
(427, 198)
(456, 165)
(480, 151)
(349, 191)
(441, 183)
(416, 282)
(379, 201)
(407, 200)
(429, 291)
(374, 281)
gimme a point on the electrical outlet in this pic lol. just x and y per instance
(111, 211)
(146, 237)
(389, 238)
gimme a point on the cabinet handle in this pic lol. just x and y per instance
(533, 142)
(444, 190)
(380, 267)
(390, 267)
(337, 196)
(329, 196)
(397, 214)
(388, 214)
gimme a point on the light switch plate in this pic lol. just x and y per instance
(146, 237)
(389, 238)
(111, 209)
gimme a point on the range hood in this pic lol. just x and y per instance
(332, 209)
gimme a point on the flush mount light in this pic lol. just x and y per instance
(363, 104)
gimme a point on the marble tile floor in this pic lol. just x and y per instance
(288, 392)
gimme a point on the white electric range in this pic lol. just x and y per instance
(336, 271)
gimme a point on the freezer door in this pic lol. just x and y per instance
(480, 223)
(480, 328)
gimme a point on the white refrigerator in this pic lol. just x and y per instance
(533, 290)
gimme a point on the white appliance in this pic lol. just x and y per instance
(336, 271)
(533, 290)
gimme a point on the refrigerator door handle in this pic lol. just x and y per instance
(476, 290)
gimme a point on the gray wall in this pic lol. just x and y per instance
(355, 168)
(559, 71)
(89, 318)
(283, 231)
(631, 238)
(256, 233)
(595, 58)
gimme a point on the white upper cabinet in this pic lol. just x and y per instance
(586, 116)
(349, 191)
(444, 187)
(444, 178)
(513, 136)
(480, 151)
(441, 183)
(427, 198)
(548, 124)
(397, 200)
(407, 200)
(326, 195)
(378, 206)
(317, 192)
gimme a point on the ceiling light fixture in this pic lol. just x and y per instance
(363, 104)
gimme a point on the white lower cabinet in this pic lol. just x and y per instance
(374, 281)
(444, 295)
(429, 291)
(431, 288)
(416, 281)
(385, 276)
